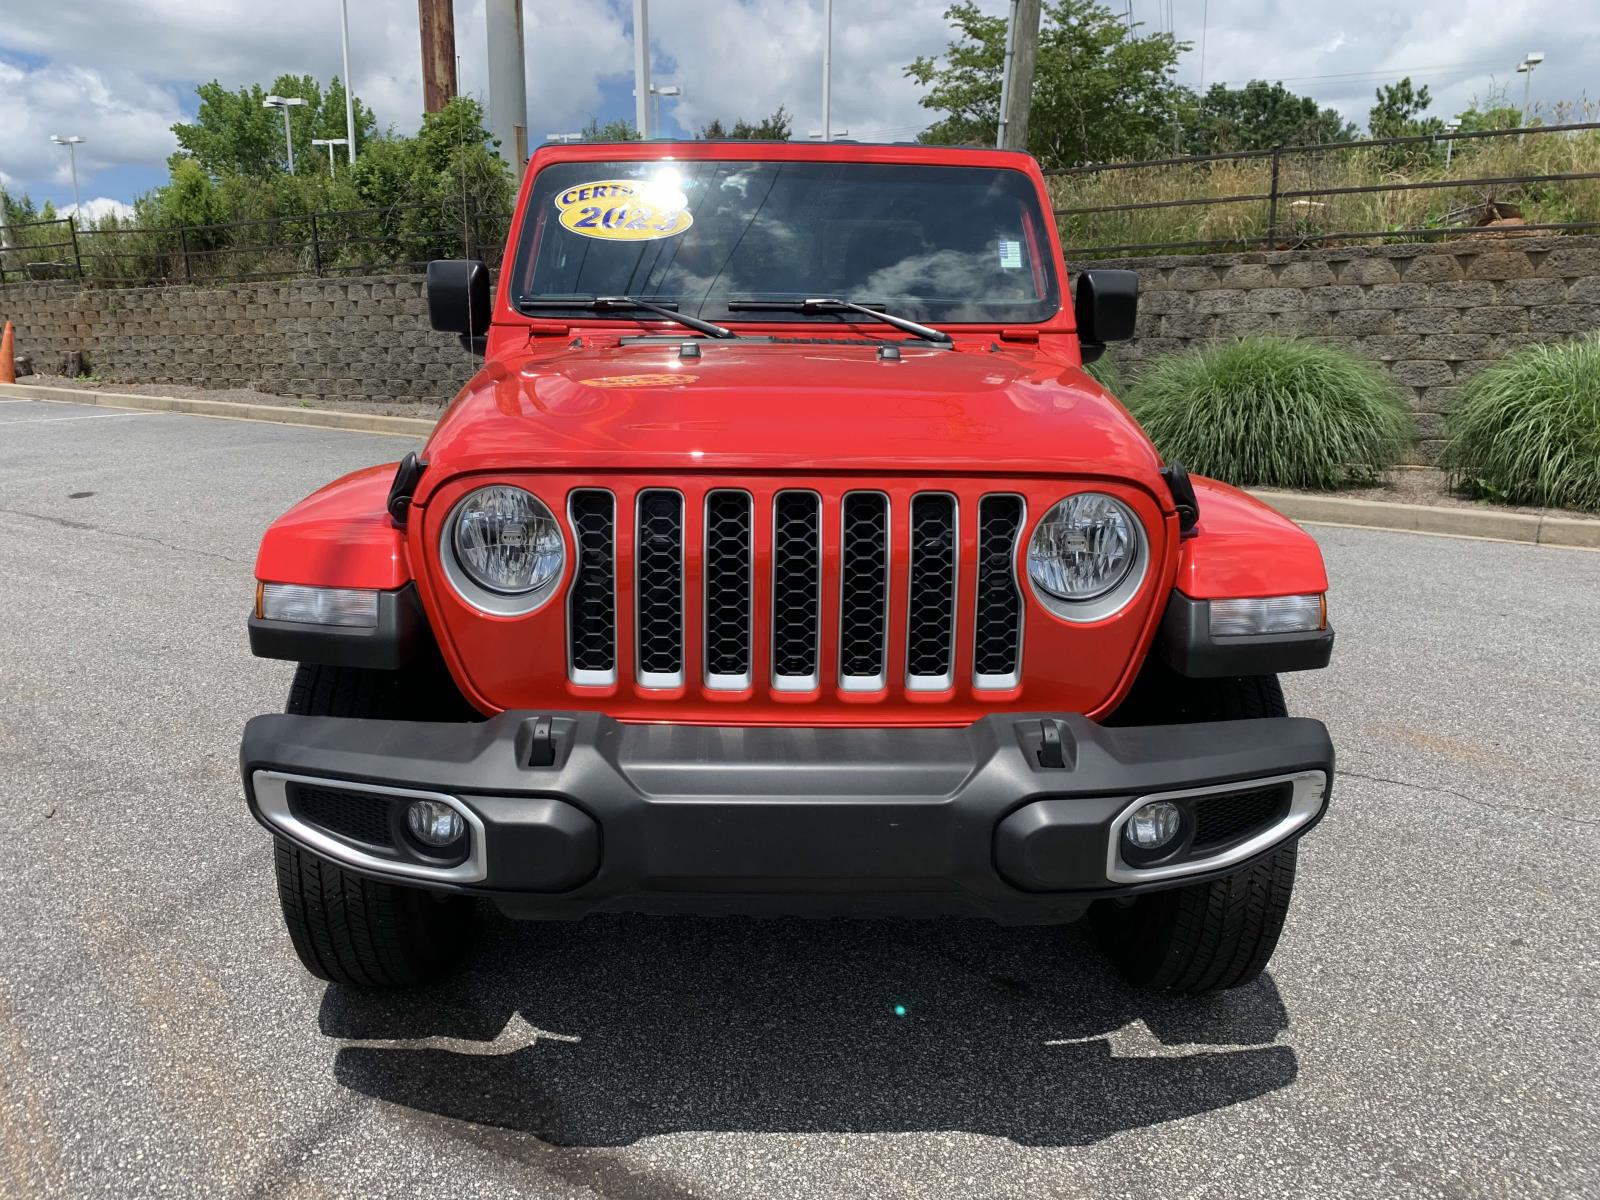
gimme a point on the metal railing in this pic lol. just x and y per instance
(1295, 196)
(398, 239)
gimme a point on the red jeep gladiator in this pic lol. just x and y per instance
(782, 558)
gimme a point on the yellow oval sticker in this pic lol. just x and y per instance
(625, 210)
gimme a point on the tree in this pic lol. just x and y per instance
(1259, 116)
(775, 128)
(1398, 112)
(1100, 91)
(234, 134)
(611, 131)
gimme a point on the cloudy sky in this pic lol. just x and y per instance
(121, 72)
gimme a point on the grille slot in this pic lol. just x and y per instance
(660, 565)
(1222, 820)
(997, 636)
(931, 612)
(796, 589)
(728, 577)
(592, 607)
(864, 591)
(354, 815)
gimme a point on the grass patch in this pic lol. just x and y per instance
(1303, 220)
(1528, 429)
(1105, 371)
(1271, 412)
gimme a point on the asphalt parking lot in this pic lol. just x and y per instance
(1426, 1028)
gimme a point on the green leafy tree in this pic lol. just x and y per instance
(611, 131)
(1100, 91)
(775, 128)
(234, 134)
(1258, 116)
(1398, 112)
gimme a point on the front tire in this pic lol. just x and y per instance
(1202, 938)
(1208, 936)
(346, 928)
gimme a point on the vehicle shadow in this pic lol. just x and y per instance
(652, 1025)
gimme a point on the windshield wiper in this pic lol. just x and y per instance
(828, 304)
(625, 303)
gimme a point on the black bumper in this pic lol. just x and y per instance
(576, 813)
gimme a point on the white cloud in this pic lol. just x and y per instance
(124, 119)
(99, 207)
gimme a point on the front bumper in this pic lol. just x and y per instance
(1015, 816)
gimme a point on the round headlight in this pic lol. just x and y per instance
(506, 540)
(1083, 548)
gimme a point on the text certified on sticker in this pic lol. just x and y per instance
(625, 210)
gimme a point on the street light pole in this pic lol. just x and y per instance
(827, 70)
(330, 143)
(72, 143)
(285, 103)
(1525, 69)
(641, 67)
(670, 89)
(349, 89)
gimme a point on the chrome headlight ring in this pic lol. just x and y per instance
(502, 550)
(1087, 557)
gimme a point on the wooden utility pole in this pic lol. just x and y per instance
(436, 18)
(1022, 45)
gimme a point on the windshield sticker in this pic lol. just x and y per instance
(1010, 255)
(640, 381)
(625, 210)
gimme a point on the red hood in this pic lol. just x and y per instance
(770, 407)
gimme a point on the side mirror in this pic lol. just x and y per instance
(458, 299)
(1105, 306)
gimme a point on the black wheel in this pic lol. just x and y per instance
(1201, 938)
(348, 929)
(1207, 936)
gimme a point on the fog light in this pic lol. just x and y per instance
(434, 823)
(1153, 825)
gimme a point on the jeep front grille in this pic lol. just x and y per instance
(795, 590)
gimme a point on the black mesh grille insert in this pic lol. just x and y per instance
(998, 632)
(864, 585)
(728, 583)
(355, 815)
(593, 612)
(1220, 820)
(930, 645)
(796, 582)
(660, 560)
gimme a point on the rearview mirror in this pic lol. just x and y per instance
(458, 299)
(1105, 306)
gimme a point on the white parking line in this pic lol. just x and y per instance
(90, 417)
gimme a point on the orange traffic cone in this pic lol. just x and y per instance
(8, 358)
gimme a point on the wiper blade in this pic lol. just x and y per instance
(625, 303)
(828, 304)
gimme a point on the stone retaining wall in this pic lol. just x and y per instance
(324, 340)
(1434, 313)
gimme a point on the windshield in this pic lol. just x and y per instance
(953, 244)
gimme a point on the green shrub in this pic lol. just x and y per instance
(1528, 429)
(1105, 371)
(1270, 412)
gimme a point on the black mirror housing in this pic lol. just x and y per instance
(458, 297)
(1105, 305)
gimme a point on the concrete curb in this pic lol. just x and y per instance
(1570, 532)
(1318, 510)
(321, 418)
